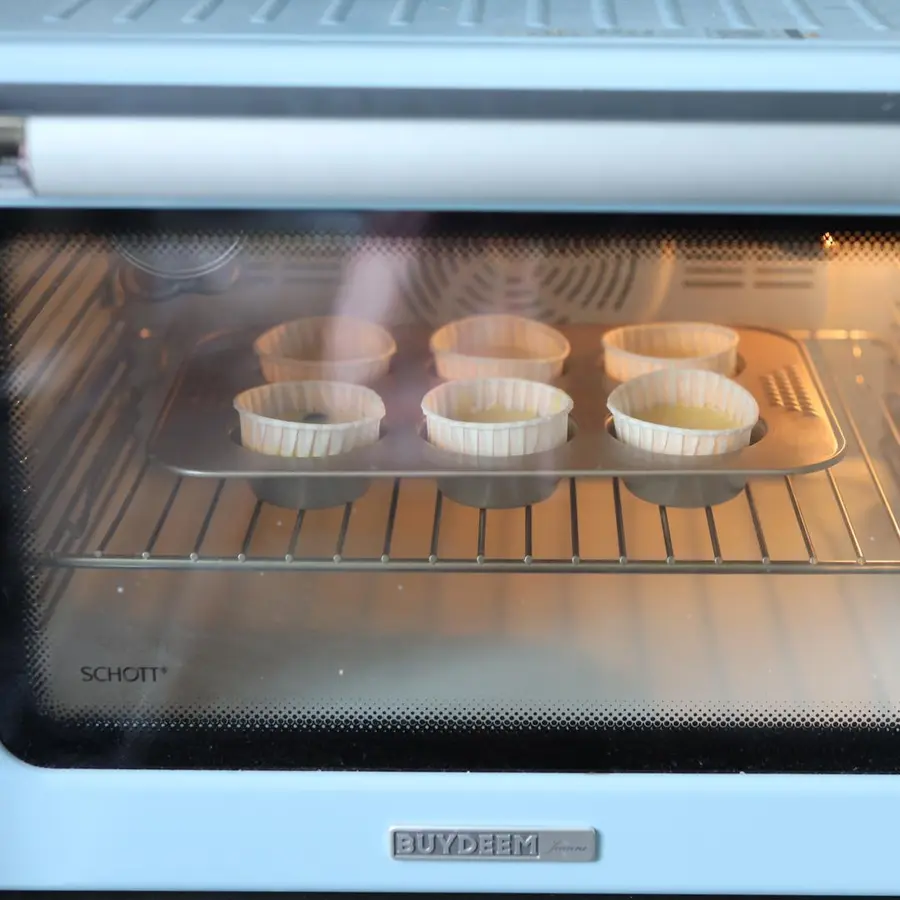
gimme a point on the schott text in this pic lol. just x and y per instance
(129, 674)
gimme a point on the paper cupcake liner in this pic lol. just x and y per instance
(325, 348)
(549, 428)
(638, 349)
(263, 429)
(682, 388)
(461, 349)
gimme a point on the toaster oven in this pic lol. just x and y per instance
(359, 529)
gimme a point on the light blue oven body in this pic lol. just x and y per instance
(329, 831)
(326, 831)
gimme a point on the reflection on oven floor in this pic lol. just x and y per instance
(598, 647)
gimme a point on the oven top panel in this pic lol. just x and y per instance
(465, 21)
(711, 46)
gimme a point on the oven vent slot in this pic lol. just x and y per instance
(719, 277)
(778, 293)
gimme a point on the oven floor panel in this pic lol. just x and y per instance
(602, 647)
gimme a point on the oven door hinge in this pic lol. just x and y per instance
(14, 181)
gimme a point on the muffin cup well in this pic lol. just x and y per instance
(446, 406)
(636, 350)
(264, 430)
(685, 388)
(325, 348)
(309, 493)
(266, 412)
(545, 432)
(473, 347)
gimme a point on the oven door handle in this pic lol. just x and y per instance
(462, 164)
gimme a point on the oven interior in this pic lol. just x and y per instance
(158, 602)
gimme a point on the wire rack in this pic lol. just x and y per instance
(296, 555)
(327, 548)
(840, 520)
(100, 503)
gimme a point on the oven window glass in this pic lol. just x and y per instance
(379, 493)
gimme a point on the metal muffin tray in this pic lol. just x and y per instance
(797, 432)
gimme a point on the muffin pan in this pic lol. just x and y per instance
(797, 431)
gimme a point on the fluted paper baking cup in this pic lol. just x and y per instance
(269, 418)
(499, 347)
(325, 348)
(447, 406)
(683, 388)
(638, 349)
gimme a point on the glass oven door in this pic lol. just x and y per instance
(199, 575)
